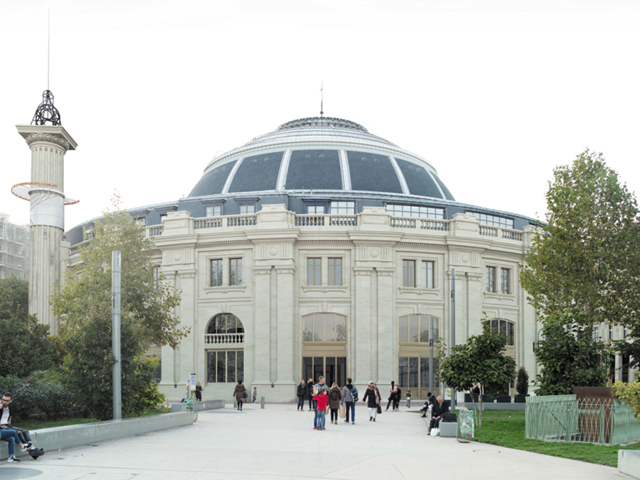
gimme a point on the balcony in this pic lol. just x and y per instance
(224, 339)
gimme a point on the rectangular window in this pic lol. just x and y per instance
(315, 209)
(596, 337)
(504, 280)
(409, 273)
(493, 220)
(414, 328)
(427, 274)
(140, 222)
(491, 279)
(610, 332)
(335, 271)
(235, 271)
(247, 209)
(225, 366)
(216, 273)
(213, 211)
(415, 211)
(314, 271)
(343, 208)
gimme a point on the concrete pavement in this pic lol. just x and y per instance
(279, 443)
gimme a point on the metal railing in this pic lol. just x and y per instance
(326, 220)
(223, 338)
(563, 418)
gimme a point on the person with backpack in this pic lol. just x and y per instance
(349, 399)
(240, 393)
(335, 396)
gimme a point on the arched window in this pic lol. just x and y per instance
(324, 327)
(505, 327)
(225, 323)
(224, 341)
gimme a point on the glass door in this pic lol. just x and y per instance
(334, 369)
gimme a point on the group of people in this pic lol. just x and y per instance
(321, 398)
(435, 408)
(14, 435)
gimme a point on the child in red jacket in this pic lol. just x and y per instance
(323, 399)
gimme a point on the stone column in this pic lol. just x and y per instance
(618, 371)
(285, 380)
(387, 339)
(261, 326)
(363, 325)
(48, 146)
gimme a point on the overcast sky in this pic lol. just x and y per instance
(494, 94)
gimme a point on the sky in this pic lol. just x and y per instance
(495, 94)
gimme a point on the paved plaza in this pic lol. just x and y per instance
(279, 443)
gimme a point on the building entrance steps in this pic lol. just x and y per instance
(279, 443)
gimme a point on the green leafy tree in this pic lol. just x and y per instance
(83, 305)
(24, 343)
(480, 360)
(586, 258)
(629, 393)
(569, 357)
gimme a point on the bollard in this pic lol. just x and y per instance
(262, 402)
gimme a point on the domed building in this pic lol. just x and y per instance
(322, 249)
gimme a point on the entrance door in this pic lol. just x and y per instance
(334, 369)
(414, 375)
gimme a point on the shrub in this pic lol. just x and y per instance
(34, 398)
(522, 383)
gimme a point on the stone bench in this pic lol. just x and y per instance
(629, 462)
(88, 433)
(448, 429)
(206, 405)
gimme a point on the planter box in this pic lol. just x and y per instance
(520, 398)
(503, 398)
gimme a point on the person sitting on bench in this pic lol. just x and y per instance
(23, 435)
(439, 409)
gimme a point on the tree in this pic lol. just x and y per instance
(24, 343)
(586, 259)
(480, 360)
(569, 357)
(522, 381)
(83, 305)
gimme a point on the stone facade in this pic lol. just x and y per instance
(275, 295)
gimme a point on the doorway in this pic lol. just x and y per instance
(334, 369)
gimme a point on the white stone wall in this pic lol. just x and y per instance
(275, 296)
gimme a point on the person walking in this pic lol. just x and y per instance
(240, 393)
(302, 392)
(335, 396)
(198, 392)
(393, 392)
(349, 401)
(372, 397)
(255, 394)
(310, 393)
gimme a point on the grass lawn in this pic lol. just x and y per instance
(506, 429)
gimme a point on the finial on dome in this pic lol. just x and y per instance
(46, 112)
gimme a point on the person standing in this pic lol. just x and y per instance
(349, 401)
(335, 396)
(372, 397)
(302, 392)
(255, 394)
(240, 393)
(310, 393)
(198, 392)
(316, 390)
(321, 408)
(393, 393)
(408, 395)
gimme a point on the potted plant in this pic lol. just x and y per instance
(522, 385)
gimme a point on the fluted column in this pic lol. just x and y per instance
(48, 146)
